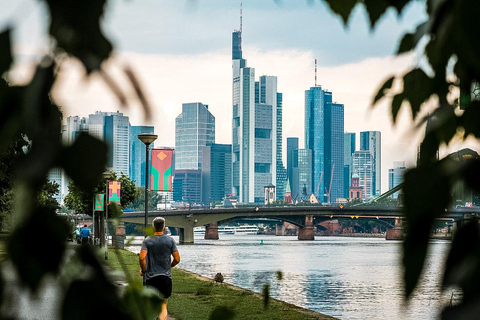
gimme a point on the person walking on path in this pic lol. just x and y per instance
(84, 234)
(156, 264)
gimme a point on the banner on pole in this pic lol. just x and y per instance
(99, 202)
(114, 191)
(161, 170)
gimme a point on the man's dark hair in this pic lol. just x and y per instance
(85, 226)
(159, 224)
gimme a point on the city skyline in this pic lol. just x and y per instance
(353, 64)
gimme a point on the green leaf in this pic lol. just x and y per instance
(32, 261)
(426, 195)
(142, 303)
(463, 260)
(383, 90)
(470, 119)
(417, 88)
(11, 116)
(396, 105)
(76, 27)
(399, 4)
(407, 43)
(222, 313)
(343, 8)
(85, 161)
(375, 9)
(6, 58)
(469, 172)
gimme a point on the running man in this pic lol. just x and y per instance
(156, 264)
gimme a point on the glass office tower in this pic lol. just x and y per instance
(372, 141)
(324, 136)
(137, 154)
(194, 129)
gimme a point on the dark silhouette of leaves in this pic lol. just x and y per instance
(343, 8)
(85, 161)
(76, 27)
(32, 261)
(6, 58)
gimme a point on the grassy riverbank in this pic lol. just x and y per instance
(195, 297)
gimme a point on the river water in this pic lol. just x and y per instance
(347, 278)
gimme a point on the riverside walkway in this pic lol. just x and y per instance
(46, 305)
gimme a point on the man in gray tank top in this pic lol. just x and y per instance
(156, 263)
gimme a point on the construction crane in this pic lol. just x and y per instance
(330, 188)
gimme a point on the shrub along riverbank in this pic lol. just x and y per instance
(195, 297)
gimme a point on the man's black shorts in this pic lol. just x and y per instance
(162, 284)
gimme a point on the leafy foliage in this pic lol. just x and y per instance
(81, 200)
(451, 39)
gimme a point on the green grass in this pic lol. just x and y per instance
(195, 297)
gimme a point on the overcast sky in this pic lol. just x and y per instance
(181, 51)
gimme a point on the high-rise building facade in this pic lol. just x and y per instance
(302, 174)
(324, 136)
(292, 144)
(395, 176)
(256, 131)
(372, 141)
(113, 129)
(216, 172)
(363, 166)
(194, 129)
(348, 150)
(137, 154)
(187, 186)
(116, 136)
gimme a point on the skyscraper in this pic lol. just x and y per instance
(372, 141)
(116, 136)
(256, 131)
(395, 176)
(113, 129)
(348, 150)
(324, 136)
(137, 154)
(292, 144)
(363, 166)
(194, 129)
(302, 174)
(216, 172)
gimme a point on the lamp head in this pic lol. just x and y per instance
(147, 138)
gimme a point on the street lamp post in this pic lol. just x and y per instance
(107, 175)
(147, 139)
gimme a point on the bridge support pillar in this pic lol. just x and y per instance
(211, 231)
(397, 232)
(306, 233)
(186, 235)
(280, 229)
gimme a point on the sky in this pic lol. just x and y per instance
(181, 52)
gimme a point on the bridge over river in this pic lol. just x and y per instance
(305, 217)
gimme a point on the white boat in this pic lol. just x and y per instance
(221, 230)
(246, 229)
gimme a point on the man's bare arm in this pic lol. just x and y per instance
(176, 259)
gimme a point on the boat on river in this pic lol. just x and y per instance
(246, 229)
(240, 230)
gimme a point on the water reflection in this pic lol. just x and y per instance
(348, 278)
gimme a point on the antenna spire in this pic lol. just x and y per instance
(315, 72)
(241, 16)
